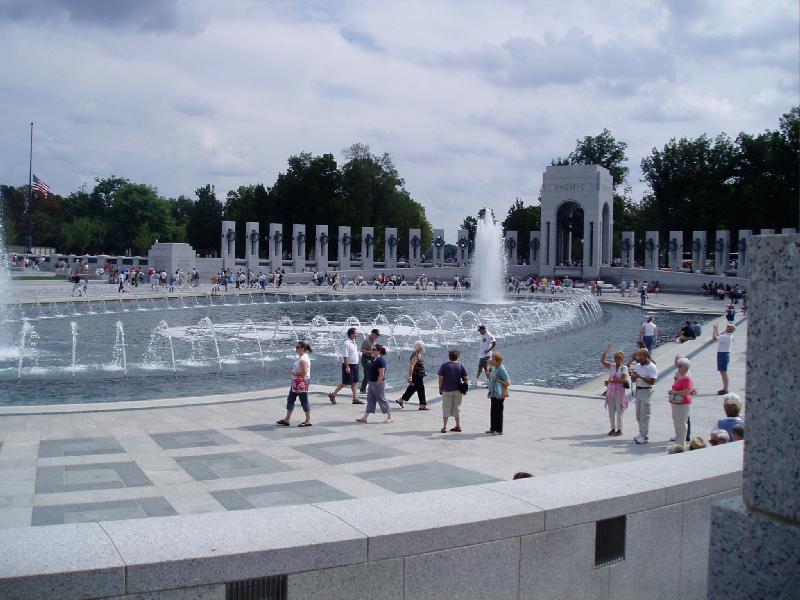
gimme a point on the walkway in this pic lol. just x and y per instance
(65, 464)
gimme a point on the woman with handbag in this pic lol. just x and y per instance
(301, 381)
(617, 393)
(499, 382)
(680, 399)
(416, 375)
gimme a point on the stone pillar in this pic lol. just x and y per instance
(228, 245)
(651, 250)
(675, 250)
(592, 247)
(367, 248)
(742, 249)
(535, 249)
(275, 245)
(699, 251)
(628, 248)
(343, 253)
(299, 247)
(463, 247)
(414, 247)
(722, 251)
(251, 246)
(438, 246)
(767, 232)
(511, 247)
(390, 242)
(321, 247)
(755, 538)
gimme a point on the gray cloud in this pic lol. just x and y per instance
(361, 39)
(572, 59)
(142, 15)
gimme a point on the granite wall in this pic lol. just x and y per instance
(755, 538)
(532, 538)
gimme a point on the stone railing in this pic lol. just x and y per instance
(543, 537)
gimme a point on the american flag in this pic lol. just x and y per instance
(40, 186)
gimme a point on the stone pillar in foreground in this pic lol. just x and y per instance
(228, 245)
(251, 246)
(367, 249)
(414, 247)
(651, 250)
(722, 251)
(511, 247)
(343, 255)
(742, 247)
(275, 246)
(675, 250)
(699, 251)
(390, 248)
(298, 247)
(627, 247)
(438, 246)
(755, 538)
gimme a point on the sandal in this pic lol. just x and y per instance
(332, 397)
(424, 408)
(305, 425)
(358, 402)
(444, 430)
(456, 429)
(612, 432)
(282, 422)
(400, 402)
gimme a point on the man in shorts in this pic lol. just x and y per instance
(349, 354)
(488, 344)
(451, 375)
(366, 356)
(724, 343)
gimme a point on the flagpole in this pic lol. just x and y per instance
(29, 240)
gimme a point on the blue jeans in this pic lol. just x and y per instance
(292, 398)
(649, 341)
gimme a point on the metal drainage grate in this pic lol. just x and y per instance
(264, 588)
(609, 541)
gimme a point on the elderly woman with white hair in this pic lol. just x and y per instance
(416, 375)
(680, 398)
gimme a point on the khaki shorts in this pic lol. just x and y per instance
(451, 403)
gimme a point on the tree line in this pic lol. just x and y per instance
(751, 182)
(119, 216)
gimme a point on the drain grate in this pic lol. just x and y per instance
(609, 541)
(263, 588)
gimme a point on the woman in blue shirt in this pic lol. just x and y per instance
(376, 385)
(499, 382)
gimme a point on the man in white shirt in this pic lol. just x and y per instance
(724, 343)
(648, 333)
(644, 375)
(484, 352)
(349, 356)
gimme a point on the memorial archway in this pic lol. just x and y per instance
(569, 234)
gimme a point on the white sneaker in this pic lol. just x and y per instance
(640, 439)
(388, 420)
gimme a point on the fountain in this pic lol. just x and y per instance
(488, 269)
(120, 355)
(27, 339)
(74, 328)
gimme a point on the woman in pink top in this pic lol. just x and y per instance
(680, 398)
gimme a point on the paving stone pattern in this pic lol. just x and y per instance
(129, 464)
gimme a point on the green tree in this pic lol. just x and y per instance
(204, 227)
(603, 150)
(83, 235)
(135, 205)
(470, 223)
(691, 182)
(143, 240)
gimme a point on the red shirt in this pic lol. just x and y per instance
(684, 383)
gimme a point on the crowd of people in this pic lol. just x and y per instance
(634, 382)
(363, 370)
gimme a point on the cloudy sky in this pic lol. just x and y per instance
(471, 98)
